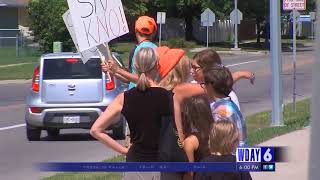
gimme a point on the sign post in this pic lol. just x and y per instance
(161, 19)
(236, 17)
(207, 19)
(294, 6)
(275, 60)
(236, 25)
(313, 18)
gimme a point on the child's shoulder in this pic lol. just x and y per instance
(191, 141)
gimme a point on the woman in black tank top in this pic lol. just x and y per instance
(143, 108)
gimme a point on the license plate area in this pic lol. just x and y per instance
(71, 119)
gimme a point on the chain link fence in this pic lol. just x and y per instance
(17, 42)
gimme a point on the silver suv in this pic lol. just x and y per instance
(66, 93)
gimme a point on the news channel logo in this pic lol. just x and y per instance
(255, 154)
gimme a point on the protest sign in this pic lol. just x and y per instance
(87, 54)
(97, 21)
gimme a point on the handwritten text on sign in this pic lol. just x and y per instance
(85, 55)
(294, 4)
(97, 21)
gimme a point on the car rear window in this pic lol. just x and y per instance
(71, 69)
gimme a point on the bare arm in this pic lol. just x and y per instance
(104, 121)
(243, 75)
(129, 76)
(106, 69)
(114, 68)
(181, 92)
(191, 144)
(121, 78)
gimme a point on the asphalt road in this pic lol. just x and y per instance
(18, 156)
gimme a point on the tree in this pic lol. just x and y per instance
(190, 9)
(47, 24)
(135, 7)
(255, 9)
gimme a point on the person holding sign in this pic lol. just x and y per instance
(145, 30)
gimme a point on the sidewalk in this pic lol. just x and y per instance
(10, 65)
(232, 52)
(22, 81)
(298, 151)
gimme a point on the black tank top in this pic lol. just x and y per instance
(203, 148)
(143, 111)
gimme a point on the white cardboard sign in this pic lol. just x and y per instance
(299, 5)
(97, 21)
(87, 54)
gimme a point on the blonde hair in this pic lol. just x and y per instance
(224, 137)
(146, 65)
(179, 74)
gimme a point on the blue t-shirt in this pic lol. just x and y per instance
(141, 45)
(225, 109)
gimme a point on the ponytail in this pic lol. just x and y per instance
(145, 64)
(143, 83)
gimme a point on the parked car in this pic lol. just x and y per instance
(66, 93)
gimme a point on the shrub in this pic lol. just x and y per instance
(47, 24)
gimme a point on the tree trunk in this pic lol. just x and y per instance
(258, 32)
(189, 28)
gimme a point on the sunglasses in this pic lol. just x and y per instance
(203, 85)
(195, 68)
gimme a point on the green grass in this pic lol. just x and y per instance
(259, 130)
(17, 72)
(123, 49)
(8, 56)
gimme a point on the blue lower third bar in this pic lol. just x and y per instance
(139, 167)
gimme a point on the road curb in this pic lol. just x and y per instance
(12, 65)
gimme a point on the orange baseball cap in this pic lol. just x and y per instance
(168, 59)
(145, 25)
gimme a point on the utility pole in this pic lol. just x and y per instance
(276, 63)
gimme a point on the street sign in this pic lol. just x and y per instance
(299, 5)
(161, 17)
(236, 17)
(297, 14)
(233, 16)
(208, 18)
(313, 16)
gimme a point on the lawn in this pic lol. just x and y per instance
(8, 56)
(259, 130)
(17, 72)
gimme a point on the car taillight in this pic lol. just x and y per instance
(109, 82)
(71, 60)
(36, 79)
(35, 109)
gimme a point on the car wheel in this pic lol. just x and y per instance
(33, 133)
(53, 132)
(120, 131)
